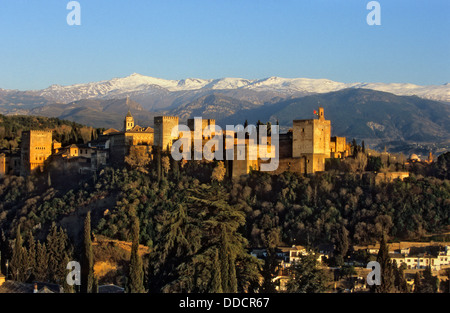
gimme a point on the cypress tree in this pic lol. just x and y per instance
(87, 258)
(342, 245)
(225, 271)
(4, 251)
(232, 271)
(95, 285)
(52, 253)
(354, 147)
(429, 283)
(269, 129)
(417, 283)
(136, 276)
(175, 169)
(216, 283)
(268, 271)
(387, 273)
(57, 251)
(399, 274)
(19, 258)
(31, 255)
(67, 288)
(40, 271)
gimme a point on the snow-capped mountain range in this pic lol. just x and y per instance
(140, 85)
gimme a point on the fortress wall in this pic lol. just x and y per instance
(390, 176)
(139, 138)
(205, 123)
(295, 165)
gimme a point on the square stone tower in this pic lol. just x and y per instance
(163, 131)
(35, 150)
(311, 142)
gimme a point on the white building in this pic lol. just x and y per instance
(423, 260)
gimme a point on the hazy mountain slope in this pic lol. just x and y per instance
(98, 113)
(215, 106)
(374, 116)
(19, 102)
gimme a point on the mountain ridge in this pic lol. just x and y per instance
(405, 123)
(157, 93)
(378, 118)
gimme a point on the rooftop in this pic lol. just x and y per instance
(18, 287)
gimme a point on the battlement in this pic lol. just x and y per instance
(204, 123)
(32, 135)
(38, 131)
(165, 118)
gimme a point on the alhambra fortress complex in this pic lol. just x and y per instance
(303, 149)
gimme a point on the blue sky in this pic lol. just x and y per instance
(176, 39)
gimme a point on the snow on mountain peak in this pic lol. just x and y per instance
(137, 83)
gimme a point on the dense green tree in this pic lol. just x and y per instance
(374, 164)
(399, 276)
(269, 271)
(87, 258)
(19, 262)
(219, 172)
(216, 283)
(445, 283)
(441, 167)
(428, 283)
(190, 237)
(417, 282)
(68, 288)
(5, 251)
(136, 271)
(342, 244)
(57, 252)
(232, 273)
(40, 272)
(387, 272)
(306, 276)
(31, 252)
